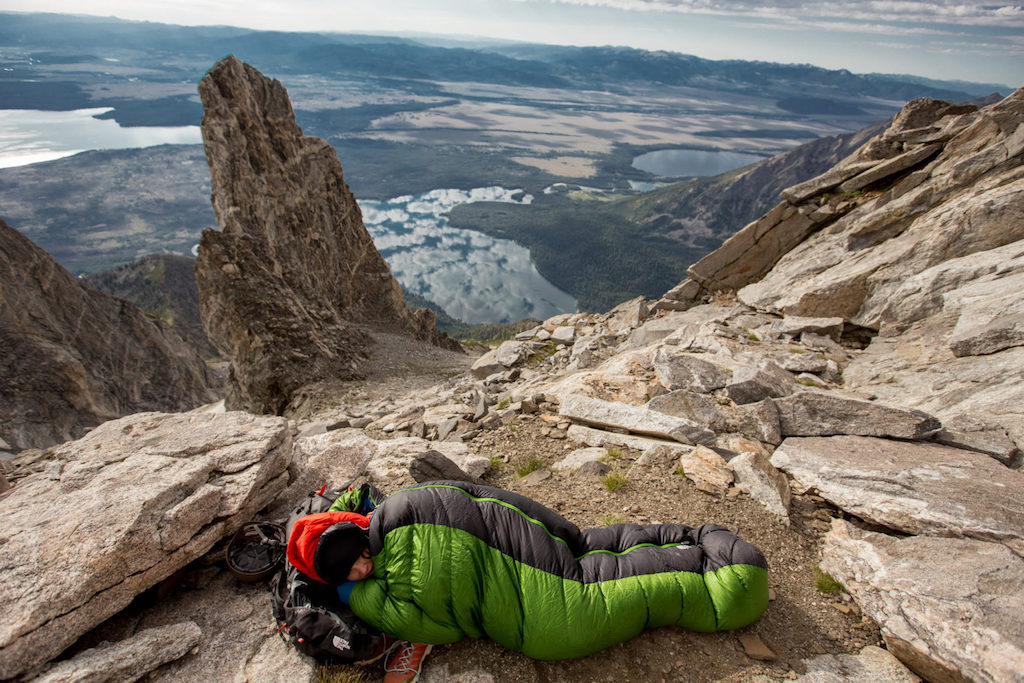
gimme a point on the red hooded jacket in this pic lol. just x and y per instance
(306, 533)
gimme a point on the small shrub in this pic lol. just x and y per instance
(614, 453)
(531, 465)
(504, 403)
(608, 520)
(824, 582)
(614, 481)
(753, 337)
(809, 383)
(681, 471)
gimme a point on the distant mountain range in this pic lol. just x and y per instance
(408, 116)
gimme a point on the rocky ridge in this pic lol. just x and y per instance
(164, 284)
(288, 283)
(73, 357)
(748, 413)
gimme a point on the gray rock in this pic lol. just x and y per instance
(640, 420)
(487, 365)
(600, 437)
(756, 475)
(627, 315)
(391, 459)
(564, 334)
(802, 362)
(579, 457)
(680, 298)
(698, 408)
(512, 353)
(583, 354)
(819, 413)
(433, 465)
(686, 371)
(129, 504)
(593, 468)
(756, 383)
(535, 477)
(891, 167)
(127, 660)
(360, 422)
(758, 420)
(949, 608)
(967, 431)
(654, 330)
(446, 428)
(913, 487)
(481, 408)
(794, 326)
(991, 322)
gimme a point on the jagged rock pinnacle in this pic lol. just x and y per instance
(290, 280)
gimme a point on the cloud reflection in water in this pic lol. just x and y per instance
(473, 277)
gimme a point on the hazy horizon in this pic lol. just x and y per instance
(974, 42)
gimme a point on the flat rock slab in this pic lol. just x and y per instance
(949, 608)
(122, 509)
(128, 660)
(916, 488)
(637, 419)
(814, 413)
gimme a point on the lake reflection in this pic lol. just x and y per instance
(473, 277)
(692, 162)
(28, 136)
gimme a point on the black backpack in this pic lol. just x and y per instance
(309, 614)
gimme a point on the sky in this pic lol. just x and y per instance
(944, 39)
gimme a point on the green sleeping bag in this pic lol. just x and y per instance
(453, 559)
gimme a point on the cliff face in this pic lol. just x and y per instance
(166, 284)
(292, 276)
(73, 357)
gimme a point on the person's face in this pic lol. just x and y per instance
(362, 568)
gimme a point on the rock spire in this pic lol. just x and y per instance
(292, 283)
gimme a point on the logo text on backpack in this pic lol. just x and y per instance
(340, 643)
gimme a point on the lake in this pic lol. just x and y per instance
(473, 277)
(692, 162)
(28, 136)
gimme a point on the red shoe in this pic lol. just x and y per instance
(404, 666)
(387, 644)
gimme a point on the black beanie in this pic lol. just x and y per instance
(340, 546)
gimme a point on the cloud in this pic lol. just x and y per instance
(897, 12)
